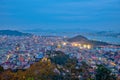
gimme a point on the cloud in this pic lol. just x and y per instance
(57, 12)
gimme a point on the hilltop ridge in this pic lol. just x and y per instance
(84, 40)
(13, 33)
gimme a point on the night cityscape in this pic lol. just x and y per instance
(59, 40)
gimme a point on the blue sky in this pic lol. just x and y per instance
(60, 14)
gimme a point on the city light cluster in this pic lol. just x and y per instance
(85, 46)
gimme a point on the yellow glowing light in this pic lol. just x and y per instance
(75, 44)
(17, 48)
(59, 46)
(88, 46)
(79, 44)
(112, 63)
(44, 59)
(64, 43)
(8, 56)
(85, 46)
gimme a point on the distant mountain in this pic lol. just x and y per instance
(13, 33)
(84, 40)
(117, 35)
(79, 38)
(54, 30)
(107, 33)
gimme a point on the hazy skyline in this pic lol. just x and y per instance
(60, 14)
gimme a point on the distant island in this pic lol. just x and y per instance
(84, 40)
(13, 33)
(107, 33)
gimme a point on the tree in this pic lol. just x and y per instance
(41, 71)
(8, 75)
(60, 58)
(103, 73)
(30, 78)
(1, 69)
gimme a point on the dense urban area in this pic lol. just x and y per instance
(55, 58)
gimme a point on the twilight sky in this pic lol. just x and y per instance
(60, 14)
